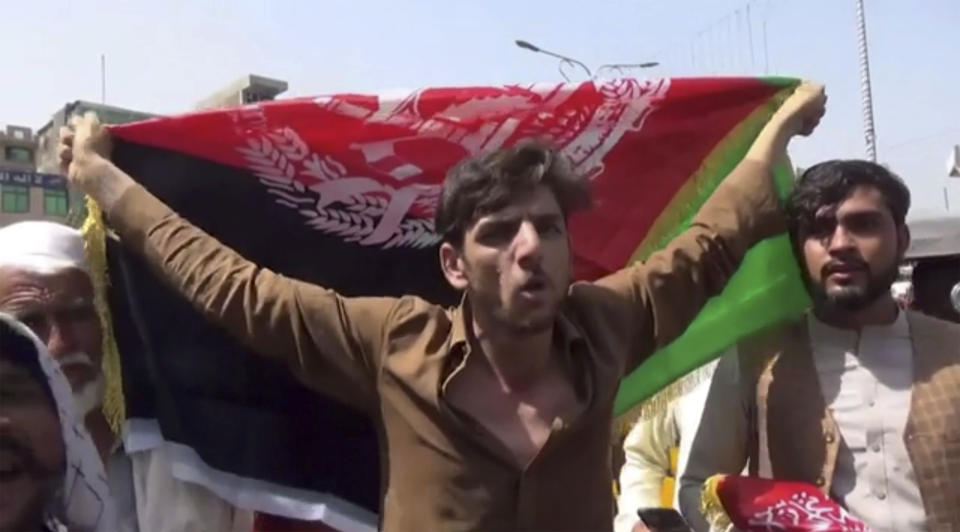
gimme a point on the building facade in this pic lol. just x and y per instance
(48, 137)
(18, 147)
(26, 194)
(30, 186)
(246, 90)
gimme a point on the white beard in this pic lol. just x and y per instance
(90, 396)
(92, 393)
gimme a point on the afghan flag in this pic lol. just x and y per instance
(341, 191)
(755, 504)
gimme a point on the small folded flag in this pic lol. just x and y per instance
(759, 505)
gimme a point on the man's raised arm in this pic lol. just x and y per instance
(672, 286)
(323, 336)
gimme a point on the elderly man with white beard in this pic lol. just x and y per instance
(44, 283)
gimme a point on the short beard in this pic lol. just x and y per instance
(854, 298)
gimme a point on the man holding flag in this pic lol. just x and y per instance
(496, 413)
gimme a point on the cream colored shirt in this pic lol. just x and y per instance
(647, 452)
(866, 379)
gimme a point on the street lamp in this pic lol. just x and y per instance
(619, 67)
(563, 59)
(953, 162)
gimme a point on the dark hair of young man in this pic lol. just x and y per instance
(482, 185)
(831, 182)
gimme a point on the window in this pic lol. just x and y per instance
(16, 154)
(55, 201)
(15, 198)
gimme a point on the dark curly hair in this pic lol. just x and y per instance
(830, 182)
(487, 183)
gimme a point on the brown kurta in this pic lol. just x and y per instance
(806, 447)
(397, 357)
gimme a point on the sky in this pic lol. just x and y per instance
(164, 56)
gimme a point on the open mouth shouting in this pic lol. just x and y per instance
(534, 290)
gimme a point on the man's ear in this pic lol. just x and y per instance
(903, 240)
(451, 262)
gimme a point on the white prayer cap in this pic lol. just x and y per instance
(42, 247)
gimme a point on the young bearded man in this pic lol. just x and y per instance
(860, 398)
(496, 414)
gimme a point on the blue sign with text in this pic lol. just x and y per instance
(32, 179)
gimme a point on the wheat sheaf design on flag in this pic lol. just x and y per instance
(367, 210)
(358, 209)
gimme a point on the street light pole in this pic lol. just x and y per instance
(563, 59)
(866, 93)
(619, 67)
(103, 79)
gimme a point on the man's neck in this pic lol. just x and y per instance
(883, 311)
(517, 360)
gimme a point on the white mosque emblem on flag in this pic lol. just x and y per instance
(364, 209)
(804, 510)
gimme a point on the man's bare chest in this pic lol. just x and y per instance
(521, 421)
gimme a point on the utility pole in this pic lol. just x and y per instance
(103, 79)
(866, 94)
